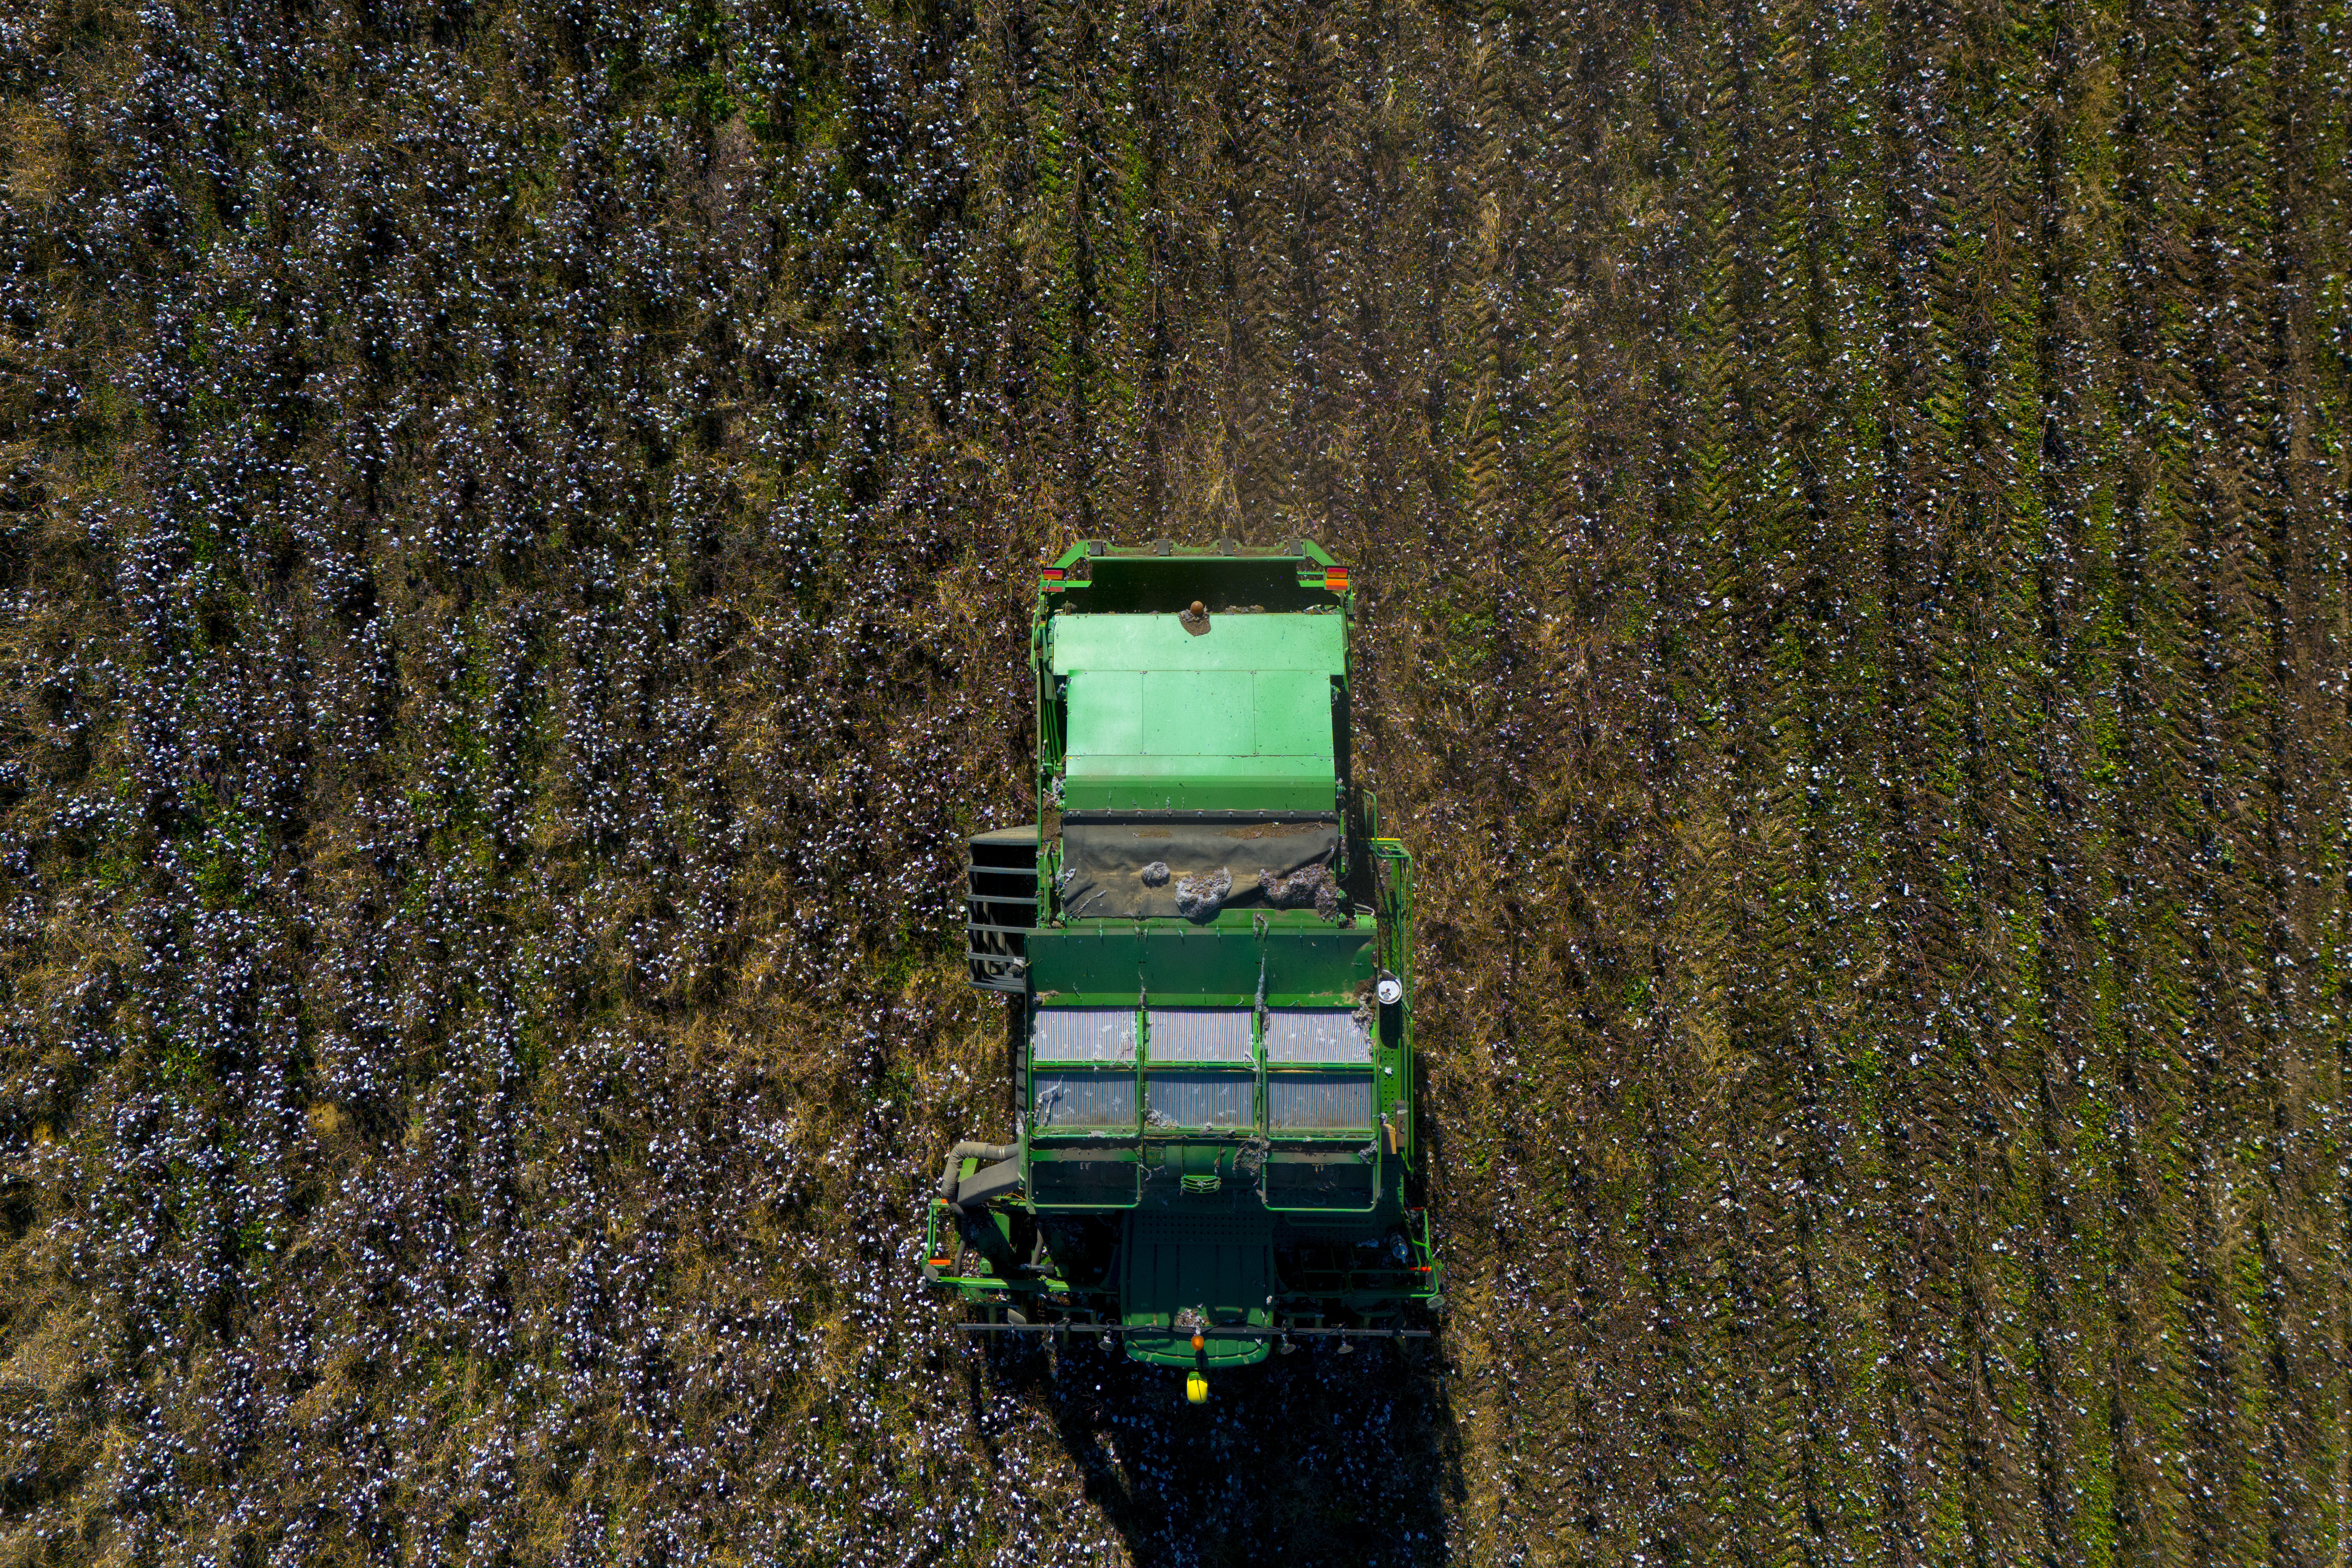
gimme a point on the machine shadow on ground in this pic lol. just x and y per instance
(1316, 1457)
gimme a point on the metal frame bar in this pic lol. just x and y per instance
(1005, 930)
(1005, 970)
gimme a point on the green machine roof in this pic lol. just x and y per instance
(1235, 717)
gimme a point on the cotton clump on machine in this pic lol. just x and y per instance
(1210, 945)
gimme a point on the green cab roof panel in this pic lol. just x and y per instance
(1238, 717)
(1234, 641)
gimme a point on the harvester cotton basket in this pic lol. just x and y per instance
(1085, 1034)
(1320, 1103)
(1085, 1099)
(1198, 1035)
(1315, 1035)
(1198, 1099)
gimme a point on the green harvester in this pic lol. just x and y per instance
(1205, 945)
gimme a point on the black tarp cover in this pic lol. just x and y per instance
(1110, 863)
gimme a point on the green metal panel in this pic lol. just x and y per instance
(1194, 784)
(1178, 784)
(1193, 739)
(1197, 713)
(1293, 717)
(1237, 718)
(1217, 1261)
(1106, 714)
(1307, 642)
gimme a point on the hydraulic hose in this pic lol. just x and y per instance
(984, 1152)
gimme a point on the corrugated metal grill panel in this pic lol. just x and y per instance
(1347, 1186)
(1315, 1035)
(1085, 1035)
(1324, 1102)
(1198, 1099)
(1085, 1099)
(1082, 1182)
(1198, 1035)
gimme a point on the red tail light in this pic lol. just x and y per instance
(1336, 579)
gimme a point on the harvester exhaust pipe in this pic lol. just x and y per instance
(984, 1152)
